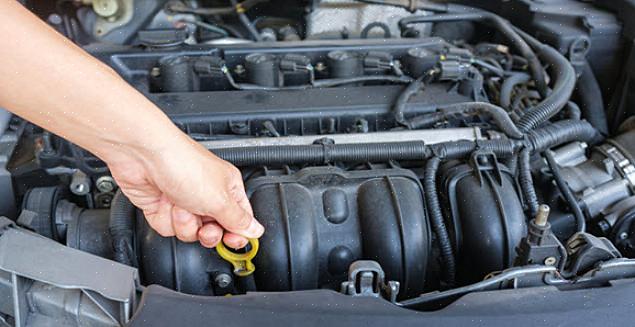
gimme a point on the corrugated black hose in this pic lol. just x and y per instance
(121, 228)
(565, 80)
(436, 219)
(526, 182)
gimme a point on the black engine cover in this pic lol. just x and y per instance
(321, 219)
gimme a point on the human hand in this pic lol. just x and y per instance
(187, 192)
(183, 190)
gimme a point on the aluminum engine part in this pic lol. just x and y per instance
(600, 180)
(54, 285)
(333, 18)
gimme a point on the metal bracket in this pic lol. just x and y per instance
(57, 285)
(366, 278)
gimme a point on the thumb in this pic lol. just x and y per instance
(232, 217)
(237, 216)
(232, 210)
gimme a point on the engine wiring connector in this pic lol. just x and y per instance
(541, 246)
(241, 261)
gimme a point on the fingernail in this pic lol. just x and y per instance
(255, 229)
(241, 245)
(209, 237)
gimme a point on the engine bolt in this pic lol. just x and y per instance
(155, 72)
(80, 183)
(105, 184)
(550, 261)
(223, 280)
(240, 69)
(320, 66)
(623, 236)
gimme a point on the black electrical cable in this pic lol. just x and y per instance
(319, 83)
(121, 229)
(508, 86)
(497, 114)
(436, 219)
(536, 141)
(413, 88)
(357, 79)
(565, 191)
(561, 132)
(360, 152)
(498, 71)
(526, 182)
(502, 26)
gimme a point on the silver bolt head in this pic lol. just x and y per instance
(550, 261)
(105, 184)
(223, 280)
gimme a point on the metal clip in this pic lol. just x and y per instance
(241, 261)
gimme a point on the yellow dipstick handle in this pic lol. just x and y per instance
(241, 261)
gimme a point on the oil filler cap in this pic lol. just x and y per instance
(241, 261)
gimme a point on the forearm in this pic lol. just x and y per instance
(49, 81)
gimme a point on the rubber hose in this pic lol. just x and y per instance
(526, 182)
(508, 87)
(573, 111)
(590, 99)
(502, 25)
(565, 79)
(121, 228)
(437, 222)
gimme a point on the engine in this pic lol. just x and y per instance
(393, 166)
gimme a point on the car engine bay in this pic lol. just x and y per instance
(411, 152)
